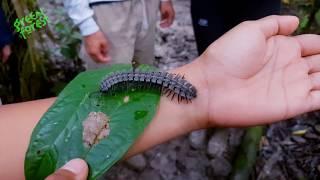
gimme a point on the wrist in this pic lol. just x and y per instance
(197, 111)
(92, 34)
(88, 27)
(174, 119)
(220, 101)
(166, 2)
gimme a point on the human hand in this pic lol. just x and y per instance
(167, 14)
(76, 169)
(97, 47)
(5, 53)
(257, 74)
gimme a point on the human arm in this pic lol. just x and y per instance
(255, 74)
(167, 13)
(95, 42)
(81, 15)
(21, 119)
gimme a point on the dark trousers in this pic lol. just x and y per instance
(5, 33)
(212, 18)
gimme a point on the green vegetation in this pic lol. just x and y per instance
(247, 153)
(28, 24)
(308, 11)
(43, 64)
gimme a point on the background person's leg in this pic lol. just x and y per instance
(252, 10)
(118, 22)
(144, 45)
(212, 18)
(208, 22)
(256, 9)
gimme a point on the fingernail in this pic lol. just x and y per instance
(76, 166)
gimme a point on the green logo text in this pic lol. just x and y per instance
(26, 25)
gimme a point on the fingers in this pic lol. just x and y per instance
(165, 22)
(310, 44)
(315, 100)
(167, 14)
(104, 53)
(313, 63)
(278, 25)
(314, 76)
(315, 81)
(100, 56)
(6, 52)
(76, 169)
(315, 92)
(314, 71)
(101, 52)
(97, 47)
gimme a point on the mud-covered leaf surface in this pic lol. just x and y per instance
(117, 121)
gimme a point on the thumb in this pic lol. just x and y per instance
(277, 25)
(76, 169)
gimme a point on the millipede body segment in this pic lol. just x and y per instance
(169, 84)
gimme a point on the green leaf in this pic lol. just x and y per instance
(247, 153)
(69, 53)
(59, 27)
(304, 21)
(317, 16)
(57, 138)
(76, 35)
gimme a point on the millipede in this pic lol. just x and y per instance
(171, 85)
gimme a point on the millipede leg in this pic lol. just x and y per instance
(166, 91)
(173, 96)
(161, 90)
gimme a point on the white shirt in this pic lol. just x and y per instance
(82, 15)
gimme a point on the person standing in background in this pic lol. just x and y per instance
(212, 18)
(118, 31)
(5, 38)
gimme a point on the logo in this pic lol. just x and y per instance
(30, 23)
(203, 22)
